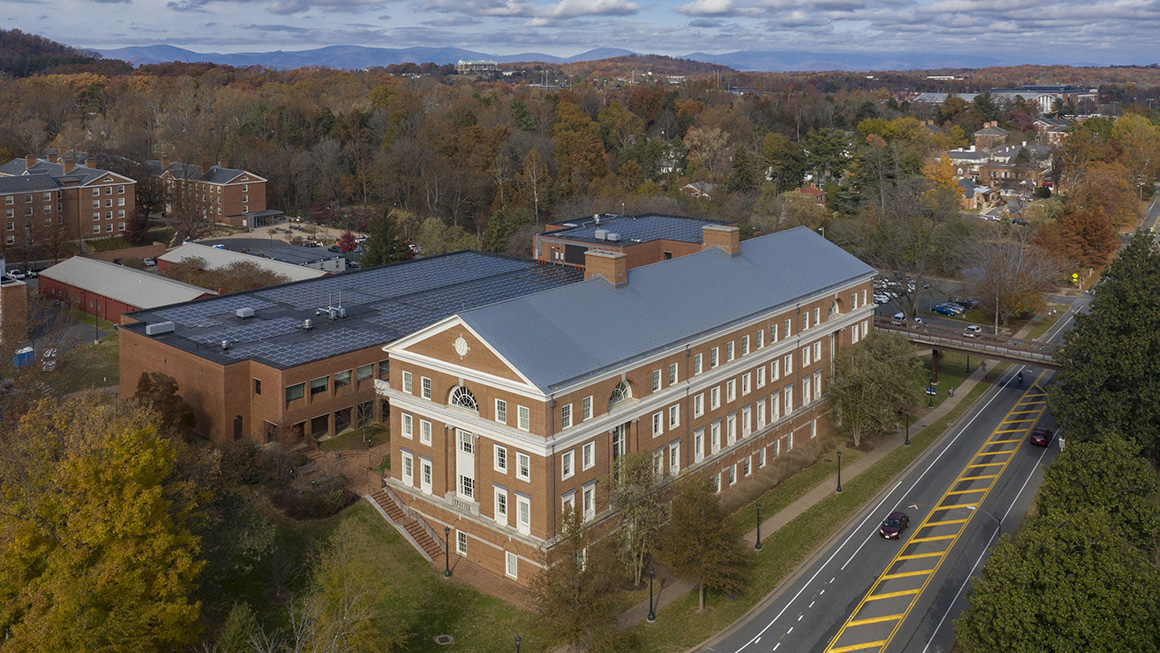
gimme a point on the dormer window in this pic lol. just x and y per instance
(463, 398)
(619, 394)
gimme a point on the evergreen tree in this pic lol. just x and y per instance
(383, 242)
(744, 177)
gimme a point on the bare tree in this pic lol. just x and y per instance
(1015, 274)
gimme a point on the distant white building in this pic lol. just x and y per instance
(481, 66)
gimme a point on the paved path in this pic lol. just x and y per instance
(671, 588)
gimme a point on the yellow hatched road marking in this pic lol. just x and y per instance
(1006, 441)
(891, 595)
(995, 453)
(907, 574)
(948, 522)
(858, 647)
(941, 556)
(978, 489)
(1012, 430)
(875, 620)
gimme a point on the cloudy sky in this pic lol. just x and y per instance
(1103, 31)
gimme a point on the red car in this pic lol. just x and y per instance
(893, 525)
(1040, 436)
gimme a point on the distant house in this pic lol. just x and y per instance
(699, 190)
(967, 162)
(975, 196)
(818, 194)
(643, 239)
(990, 135)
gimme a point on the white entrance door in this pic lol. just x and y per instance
(425, 475)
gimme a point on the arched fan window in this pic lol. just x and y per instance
(463, 398)
(619, 394)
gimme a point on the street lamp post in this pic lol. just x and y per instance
(447, 552)
(839, 471)
(652, 615)
(998, 522)
(907, 443)
(822, 230)
(758, 545)
(518, 644)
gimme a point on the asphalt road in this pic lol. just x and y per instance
(864, 593)
(1152, 216)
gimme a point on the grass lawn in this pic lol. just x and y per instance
(952, 371)
(89, 366)
(422, 601)
(351, 439)
(678, 627)
(1048, 322)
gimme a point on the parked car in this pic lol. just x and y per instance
(900, 320)
(973, 331)
(149, 261)
(881, 298)
(893, 525)
(16, 273)
(943, 309)
(966, 301)
(219, 246)
(1040, 436)
(48, 360)
(1021, 222)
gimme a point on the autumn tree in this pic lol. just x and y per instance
(785, 161)
(96, 551)
(137, 228)
(640, 505)
(1106, 188)
(578, 149)
(872, 383)
(1015, 273)
(701, 543)
(1139, 142)
(158, 390)
(573, 593)
(346, 242)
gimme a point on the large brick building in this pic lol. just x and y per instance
(643, 239)
(218, 192)
(108, 290)
(716, 362)
(56, 199)
(304, 358)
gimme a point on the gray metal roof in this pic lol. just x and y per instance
(133, 287)
(297, 255)
(18, 167)
(634, 228)
(215, 174)
(219, 258)
(382, 304)
(561, 336)
(27, 184)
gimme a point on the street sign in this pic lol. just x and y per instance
(1075, 277)
(930, 390)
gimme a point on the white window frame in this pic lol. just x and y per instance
(761, 338)
(425, 432)
(697, 369)
(715, 437)
(407, 422)
(806, 356)
(656, 380)
(511, 565)
(588, 500)
(408, 471)
(658, 423)
(674, 416)
(774, 407)
(745, 345)
(729, 351)
(817, 351)
(565, 416)
(586, 408)
(461, 542)
(588, 454)
(425, 385)
(524, 418)
(760, 414)
(746, 383)
(775, 369)
(818, 384)
(673, 376)
(772, 333)
(760, 377)
(731, 429)
(788, 328)
(698, 445)
(408, 381)
(817, 315)
(714, 358)
(788, 394)
(499, 458)
(715, 397)
(746, 420)
(567, 464)
(501, 411)
(523, 466)
(699, 404)
(788, 364)
(523, 508)
(761, 458)
(500, 517)
(730, 391)
(807, 391)
(675, 457)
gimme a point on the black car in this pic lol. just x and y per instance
(893, 525)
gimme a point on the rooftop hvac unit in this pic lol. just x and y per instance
(244, 313)
(601, 234)
(307, 325)
(614, 237)
(159, 328)
(225, 345)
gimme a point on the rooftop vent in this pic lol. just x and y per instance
(596, 218)
(225, 345)
(158, 328)
(601, 234)
(307, 325)
(614, 237)
(244, 312)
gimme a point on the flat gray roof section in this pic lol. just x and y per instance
(220, 258)
(632, 228)
(381, 303)
(560, 337)
(133, 287)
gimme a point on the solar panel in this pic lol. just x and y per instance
(339, 341)
(252, 332)
(202, 313)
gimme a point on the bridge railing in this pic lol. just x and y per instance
(982, 343)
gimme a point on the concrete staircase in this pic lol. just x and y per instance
(411, 527)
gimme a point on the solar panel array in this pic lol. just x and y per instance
(252, 332)
(205, 313)
(383, 304)
(288, 354)
(643, 228)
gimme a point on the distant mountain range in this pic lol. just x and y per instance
(355, 57)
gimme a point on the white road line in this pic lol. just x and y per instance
(987, 548)
(789, 631)
(800, 617)
(812, 603)
(775, 647)
(873, 512)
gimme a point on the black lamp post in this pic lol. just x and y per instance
(652, 614)
(517, 644)
(839, 471)
(758, 545)
(907, 443)
(447, 555)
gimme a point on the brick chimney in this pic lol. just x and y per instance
(164, 162)
(29, 160)
(91, 163)
(727, 238)
(205, 166)
(613, 266)
(53, 157)
(67, 166)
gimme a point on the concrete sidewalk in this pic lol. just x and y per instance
(671, 588)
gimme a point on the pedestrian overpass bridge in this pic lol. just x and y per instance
(1029, 352)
